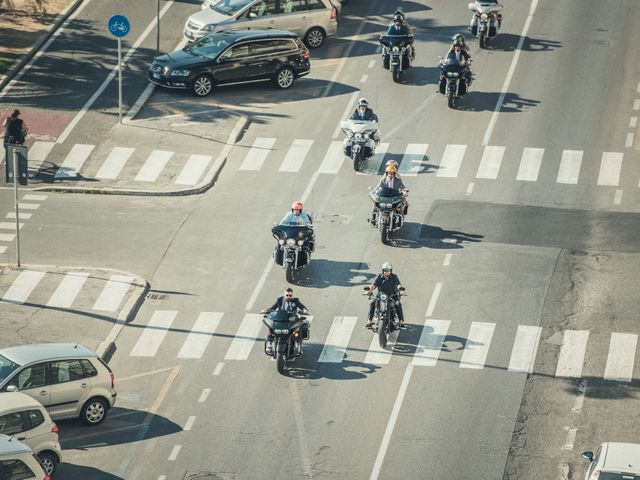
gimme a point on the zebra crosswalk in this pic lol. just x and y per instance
(8, 228)
(344, 341)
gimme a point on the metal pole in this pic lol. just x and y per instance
(158, 28)
(15, 190)
(119, 80)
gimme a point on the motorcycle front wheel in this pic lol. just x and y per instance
(451, 99)
(384, 234)
(483, 40)
(395, 73)
(289, 272)
(280, 362)
(382, 336)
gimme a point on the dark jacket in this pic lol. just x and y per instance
(464, 56)
(369, 115)
(289, 306)
(388, 286)
(403, 30)
(15, 131)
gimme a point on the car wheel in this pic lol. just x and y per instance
(202, 85)
(94, 411)
(49, 462)
(315, 37)
(284, 78)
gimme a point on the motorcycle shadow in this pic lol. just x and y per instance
(486, 101)
(418, 235)
(508, 42)
(323, 273)
(420, 76)
(307, 367)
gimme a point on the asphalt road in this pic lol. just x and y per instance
(483, 257)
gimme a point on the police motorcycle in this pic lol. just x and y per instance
(360, 144)
(486, 20)
(390, 209)
(295, 243)
(396, 54)
(385, 315)
(454, 79)
(287, 333)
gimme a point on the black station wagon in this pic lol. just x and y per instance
(233, 57)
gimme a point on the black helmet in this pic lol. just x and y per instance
(398, 12)
(397, 18)
(458, 39)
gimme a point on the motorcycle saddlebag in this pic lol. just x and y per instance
(385, 61)
(347, 150)
(304, 331)
(405, 62)
(492, 31)
(474, 30)
(277, 255)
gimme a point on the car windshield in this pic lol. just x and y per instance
(7, 367)
(208, 46)
(230, 7)
(618, 476)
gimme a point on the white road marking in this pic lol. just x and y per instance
(257, 154)
(38, 153)
(431, 342)
(617, 198)
(636, 104)
(245, 338)
(152, 167)
(335, 346)
(154, 333)
(193, 169)
(629, 140)
(142, 99)
(579, 401)
(530, 164)
(447, 259)
(571, 438)
(260, 284)
(364, 78)
(161, 477)
(203, 396)
(633, 122)
(10, 225)
(413, 158)
(114, 162)
(451, 161)
(3, 249)
(296, 156)
(570, 166)
(378, 158)
(189, 424)
(218, 369)
(74, 161)
(23, 216)
(333, 159)
(371, 63)
(32, 196)
(174, 453)
(476, 348)
(434, 299)
(7, 237)
(200, 335)
(525, 346)
(28, 206)
(68, 290)
(610, 169)
(622, 354)
(490, 163)
(470, 188)
(572, 352)
(638, 88)
(22, 287)
(376, 355)
(113, 293)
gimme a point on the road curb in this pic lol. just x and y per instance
(16, 68)
(209, 180)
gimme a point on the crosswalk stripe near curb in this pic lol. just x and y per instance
(569, 169)
(525, 347)
(113, 293)
(245, 338)
(257, 154)
(200, 335)
(193, 170)
(477, 345)
(610, 167)
(154, 333)
(621, 358)
(451, 161)
(114, 163)
(21, 288)
(68, 290)
(335, 347)
(572, 353)
(153, 166)
(74, 161)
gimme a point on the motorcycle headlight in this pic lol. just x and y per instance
(357, 135)
(300, 242)
(281, 241)
(291, 242)
(281, 331)
(180, 73)
(484, 16)
(396, 49)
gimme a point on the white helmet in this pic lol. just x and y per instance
(363, 101)
(387, 266)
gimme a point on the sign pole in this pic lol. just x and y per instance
(17, 208)
(158, 28)
(119, 80)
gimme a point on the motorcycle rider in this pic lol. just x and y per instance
(291, 305)
(388, 283)
(400, 13)
(398, 27)
(297, 216)
(459, 38)
(460, 55)
(392, 163)
(362, 113)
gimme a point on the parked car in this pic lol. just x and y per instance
(17, 461)
(28, 421)
(614, 461)
(233, 57)
(67, 378)
(312, 20)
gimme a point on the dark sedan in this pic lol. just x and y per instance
(233, 57)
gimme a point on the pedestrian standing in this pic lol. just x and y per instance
(15, 129)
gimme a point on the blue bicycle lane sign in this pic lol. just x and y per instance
(119, 25)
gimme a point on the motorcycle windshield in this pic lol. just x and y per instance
(359, 126)
(299, 232)
(391, 41)
(486, 7)
(451, 64)
(387, 195)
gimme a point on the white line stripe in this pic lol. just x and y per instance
(571, 438)
(470, 188)
(335, 346)
(203, 396)
(29, 206)
(154, 333)
(572, 353)
(333, 159)
(296, 156)
(7, 237)
(174, 453)
(377, 160)
(447, 259)
(569, 166)
(477, 345)
(34, 197)
(154, 164)
(525, 346)
(3, 249)
(74, 161)
(413, 158)
(629, 141)
(579, 401)
(200, 335)
(490, 163)
(22, 287)
(245, 338)
(617, 198)
(622, 354)
(189, 424)
(218, 369)
(636, 104)
(193, 170)
(530, 164)
(633, 122)
(376, 355)
(260, 284)
(257, 154)
(23, 216)
(38, 153)
(434, 299)
(431, 342)
(113, 293)
(371, 63)
(114, 162)
(638, 88)
(10, 225)
(364, 78)
(451, 161)
(610, 169)
(68, 290)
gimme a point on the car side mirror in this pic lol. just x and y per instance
(252, 15)
(588, 456)
(12, 388)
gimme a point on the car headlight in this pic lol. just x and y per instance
(281, 241)
(209, 28)
(484, 16)
(281, 331)
(180, 73)
(291, 242)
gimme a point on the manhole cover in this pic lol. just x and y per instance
(340, 219)
(157, 296)
(208, 476)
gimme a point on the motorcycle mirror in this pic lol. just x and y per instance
(472, 7)
(402, 289)
(366, 288)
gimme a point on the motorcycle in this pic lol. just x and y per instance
(359, 144)
(385, 315)
(486, 20)
(396, 54)
(388, 216)
(287, 332)
(454, 79)
(294, 247)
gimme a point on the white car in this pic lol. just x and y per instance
(614, 461)
(17, 461)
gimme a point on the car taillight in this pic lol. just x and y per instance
(113, 380)
(46, 477)
(54, 428)
(306, 54)
(334, 13)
